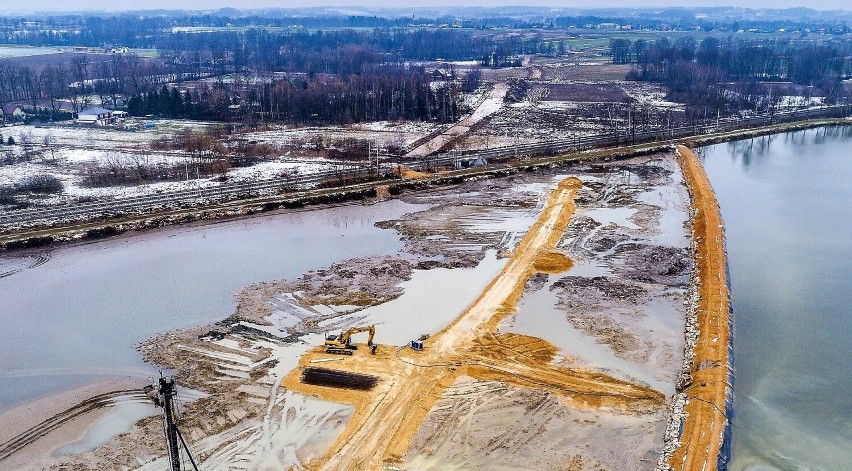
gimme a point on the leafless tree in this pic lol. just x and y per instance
(50, 148)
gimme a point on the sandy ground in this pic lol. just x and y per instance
(707, 389)
(619, 294)
(426, 402)
(469, 345)
(493, 425)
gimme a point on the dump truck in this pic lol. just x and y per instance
(342, 344)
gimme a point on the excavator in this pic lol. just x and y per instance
(341, 345)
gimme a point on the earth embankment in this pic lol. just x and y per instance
(706, 383)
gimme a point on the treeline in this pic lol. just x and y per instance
(147, 30)
(727, 73)
(385, 93)
(108, 77)
(346, 51)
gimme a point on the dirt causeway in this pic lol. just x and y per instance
(708, 388)
(386, 419)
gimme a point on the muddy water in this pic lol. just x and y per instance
(77, 317)
(539, 316)
(785, 201)
(432, 300)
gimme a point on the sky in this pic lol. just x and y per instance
(116, 5)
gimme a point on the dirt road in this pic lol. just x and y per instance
(703, 429)
(491, 105)
(386, 419)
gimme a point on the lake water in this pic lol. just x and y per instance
(77, 317)
(786, 204)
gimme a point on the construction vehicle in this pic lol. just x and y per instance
(342, 345)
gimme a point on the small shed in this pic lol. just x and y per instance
(94, 115)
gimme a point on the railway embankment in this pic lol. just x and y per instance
(51, 231)
(698, 430)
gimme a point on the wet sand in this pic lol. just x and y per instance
(29, 415)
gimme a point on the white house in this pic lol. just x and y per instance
(13, 112)
(94, 115)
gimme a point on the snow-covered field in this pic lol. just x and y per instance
(648, 95)
(25, 51)
(74, 190)
(80, 136)
(68, 153)
(383, 133)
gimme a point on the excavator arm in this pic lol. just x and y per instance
(341, 343)
(344, 337)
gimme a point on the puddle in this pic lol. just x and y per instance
(617, 216)
(118, 420)
(501, 220)
(664, 318)
(538, 316)
(589, 270)
(431, 300)
(673, 212)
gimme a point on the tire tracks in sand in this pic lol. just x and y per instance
(707, 395)
(386, 419)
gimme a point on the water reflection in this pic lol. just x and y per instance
(751, 154)
(787, 233)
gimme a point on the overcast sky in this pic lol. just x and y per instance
(113, 5)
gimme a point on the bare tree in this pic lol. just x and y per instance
(26, 140)
(50, 148)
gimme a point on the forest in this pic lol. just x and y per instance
(384, 93)
(287, 72)
(724, 74)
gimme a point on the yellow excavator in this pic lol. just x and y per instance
(341, 345)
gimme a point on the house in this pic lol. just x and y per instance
(13, 112)
(47, 110)
(94, 115)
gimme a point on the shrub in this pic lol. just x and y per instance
(39, 184)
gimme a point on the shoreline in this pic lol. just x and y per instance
(47, 410)
(698, 430)
(91, 230)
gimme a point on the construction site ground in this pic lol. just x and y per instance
(501, 384)
(707, 387)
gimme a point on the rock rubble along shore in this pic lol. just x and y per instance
(700, 410)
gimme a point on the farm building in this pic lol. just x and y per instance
(94, 115)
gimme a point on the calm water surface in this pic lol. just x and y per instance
(786, 204)
(78, 317)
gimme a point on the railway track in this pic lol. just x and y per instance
(233, 191)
